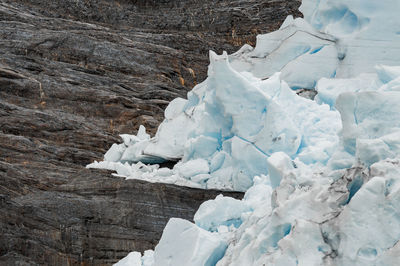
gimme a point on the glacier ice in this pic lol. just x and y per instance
(367, 31)
(225, 122)
(321, 177)
(136, 259)
(371, 124)
(294, 47)
(183, 243)
(223, 211)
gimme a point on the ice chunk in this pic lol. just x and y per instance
(183, 243)
(368, 115)
(321, 62)
(374, 208)
(175, 108)
(200, 147)
(366, 31)
(142, 135)
(387, 73)
(294, 47)
(148, 258)
(393, 85)
(294, 253)
(330, 89)
(114, 154)
(340, 159)
(279, 132)
(192, 168)
(369, 151)
(243, 173)
(279, 165)
(317, 124)
(221, 211)
(136, 259)
(254, 116)
(287, 22)
(259, 195)
(133, 259)
(200, 178)
(169, 142)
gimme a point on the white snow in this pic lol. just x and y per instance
(322, 177)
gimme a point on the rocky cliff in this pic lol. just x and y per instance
(73, 75)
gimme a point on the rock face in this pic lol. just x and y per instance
(73, 75)
(93, 219)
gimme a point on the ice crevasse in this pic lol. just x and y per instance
(321, 176)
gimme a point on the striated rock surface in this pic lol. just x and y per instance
(93, 219)
(73, 75)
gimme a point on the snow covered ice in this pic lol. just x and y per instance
(322, 176)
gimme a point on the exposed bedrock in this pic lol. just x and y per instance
(93, 219)
(73, 75)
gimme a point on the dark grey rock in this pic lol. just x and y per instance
(93, 219)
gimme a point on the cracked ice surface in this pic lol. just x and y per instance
(227, 130)
(322, 178)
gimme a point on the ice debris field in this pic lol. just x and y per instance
(321, 176)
